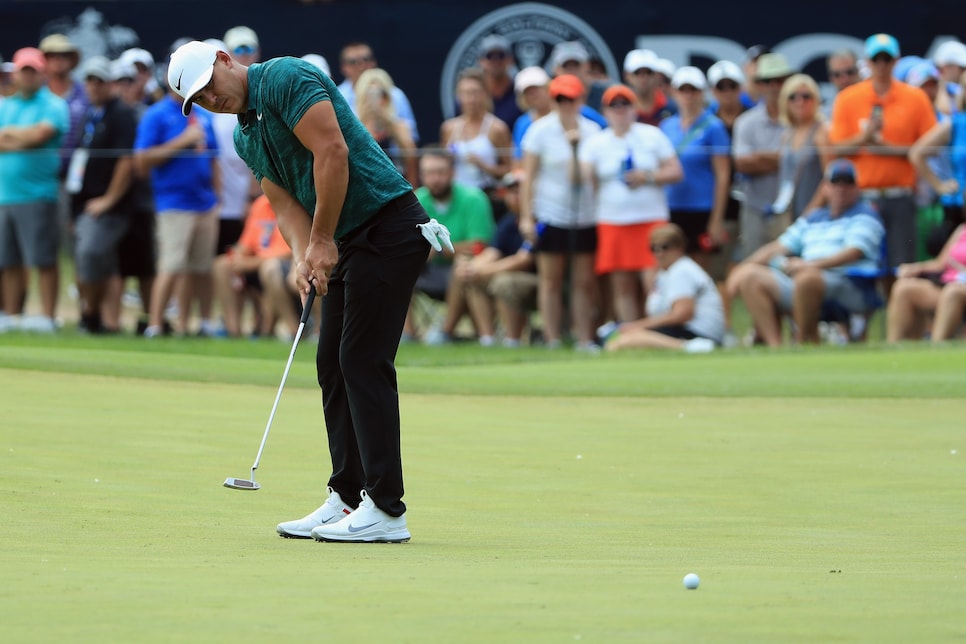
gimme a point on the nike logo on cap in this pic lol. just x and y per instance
(353, 528)
(177, 85)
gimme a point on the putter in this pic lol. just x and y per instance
(250, 484)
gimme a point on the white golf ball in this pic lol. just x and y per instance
(691, 581)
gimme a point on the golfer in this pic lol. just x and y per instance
(358, 236)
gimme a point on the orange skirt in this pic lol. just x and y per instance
(625, 248)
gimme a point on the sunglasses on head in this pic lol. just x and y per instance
(801, 96)
(660, 248)
(560, 98)
(727, 86)
(497, 54)
(244, 50)
(839, 73)
(357, 61)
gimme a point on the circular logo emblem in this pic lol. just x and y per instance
(533, 29)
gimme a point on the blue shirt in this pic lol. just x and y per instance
(957, 157)
(818, 235)
(183, 182)
(706, 138)
(33, 175)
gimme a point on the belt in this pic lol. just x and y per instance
(887, 193)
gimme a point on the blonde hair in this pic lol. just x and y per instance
(670, 234)
(374, 79)
(476, 74)
(788, 88)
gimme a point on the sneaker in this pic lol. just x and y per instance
(606, 331)
(699, 345)
(487, 341)
(435, 337)
(38, 324)
(9, 322)
(367, 524)
(587, 347)
(332, 511)
(152, 331)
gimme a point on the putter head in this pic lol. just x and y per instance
(241, 484)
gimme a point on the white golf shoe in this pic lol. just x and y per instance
(367, 524)
(332, 511)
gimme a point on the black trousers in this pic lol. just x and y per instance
(362, 320)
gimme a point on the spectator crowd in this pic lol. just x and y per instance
(585, 211)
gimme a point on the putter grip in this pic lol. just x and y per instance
(307, 309)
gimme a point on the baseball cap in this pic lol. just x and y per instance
(689, 75)
(921, 73)
(951, 52)
(570, 50)
(841, 171)
(121, 68)
(29, 57)
(240, 37)
(530, 77)
(725, 70)
(617, 91)
(566, 85)
(494, 42)
(190, 69)
(318, 61)
(98, 67)
(772, 66)
(639, 59)
(136, 55)
(881, 44)
(665, 67)
(57, 44)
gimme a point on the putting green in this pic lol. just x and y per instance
(809, 515)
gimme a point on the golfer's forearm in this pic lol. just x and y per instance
(294, 222)
(331, 173)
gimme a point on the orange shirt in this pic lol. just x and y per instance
(261, 235)
(907, 114)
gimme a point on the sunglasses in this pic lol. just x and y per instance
(842, 181)
(801, 96)
(619, 104)
(357, 61)
(244, 50)
(882, 58)
(660, 248)
(560, 98)
(844, 72)
(495, 55)
(770, 81)
(726, 86)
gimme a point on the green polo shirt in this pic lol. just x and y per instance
(280, 92)
(468, 215)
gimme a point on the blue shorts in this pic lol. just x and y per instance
(839, 288)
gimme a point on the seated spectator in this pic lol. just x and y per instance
(806, 266)
(503, 275)
(934, 287)
(238, 270)
(466, 212)
(683, 312)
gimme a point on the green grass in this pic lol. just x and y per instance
(818, 493)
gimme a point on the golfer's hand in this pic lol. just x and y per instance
(319, 261)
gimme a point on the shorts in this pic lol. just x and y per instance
(186, 241)
(694, 223)
(518, 289)
(567, 240)
(229, 232)
(96, 240)
(756, 230)
(840, 289)
(29, 234)
(137, 252)
(625, 247)
(678, 331)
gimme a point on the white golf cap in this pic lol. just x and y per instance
(689, 75)
(318, 61)
(725, 70)
(665, 67)
(138, 55)
(240, 37)
(640, 59)
(190, 69)
(530, 77)
(951, 52)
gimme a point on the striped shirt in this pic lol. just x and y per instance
(818, 235)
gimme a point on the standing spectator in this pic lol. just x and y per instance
(62, 58)
(950, 58)
(572, 57)
(145, 89)
(752, 89)
(355, 58)
(684, 311)
(479, 141)
(33, 123)
(629, 163)
(874, 123)
(702, 144)
(641, 69)
(466, 212)
(843, 70)
(556, 213)
(181, 155)
(803, 153)
(758, 135)
(100, 182)
(533, 96)
(376, 111)
(243, 45)
(496, 61)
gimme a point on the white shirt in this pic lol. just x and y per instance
(606, 152)
(555, 200)
(234, 174)
(685, 279)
